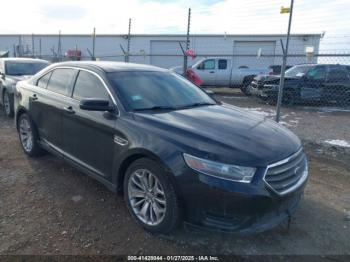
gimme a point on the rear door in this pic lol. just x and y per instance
(88, 135)
(337, 84)
(223, 72)
(206, 71)
(46, 104)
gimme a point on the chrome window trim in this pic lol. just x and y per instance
(281, 162)
(71, 95)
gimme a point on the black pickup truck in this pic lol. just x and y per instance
(322, 83)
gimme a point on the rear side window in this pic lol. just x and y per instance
(337, 74)
(89, 86)
(222, 64)
(61, 81)
(44, 80)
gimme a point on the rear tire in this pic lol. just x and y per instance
(28, 136)
(150, 196)
(8, 101)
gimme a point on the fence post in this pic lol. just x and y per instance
(187, 41)
(128, 44)
(93, 44)
(40, 47)
(283, 69)
(33, 48)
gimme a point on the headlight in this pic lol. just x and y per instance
(230, 172)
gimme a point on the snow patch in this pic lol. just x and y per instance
(260, 111)
(338, 142)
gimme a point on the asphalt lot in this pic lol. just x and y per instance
(48, 207)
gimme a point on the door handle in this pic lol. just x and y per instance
(211, 72)
(69, 109)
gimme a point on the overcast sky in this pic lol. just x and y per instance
(169, 16)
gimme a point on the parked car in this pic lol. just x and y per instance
(13, 70)
(313, 83)
(294, 72)
(216, 71)
(175, 153)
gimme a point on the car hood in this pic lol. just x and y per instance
(15, 79)
(224, 133)
(266, 77)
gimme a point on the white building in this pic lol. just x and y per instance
(164, 50)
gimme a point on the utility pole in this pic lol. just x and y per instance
(283, 69)
(128, 45)
(93, 44)
(187, 41)
(33, 48)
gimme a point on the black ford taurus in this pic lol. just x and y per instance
(173, 152)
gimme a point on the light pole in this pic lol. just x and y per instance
(285, 53)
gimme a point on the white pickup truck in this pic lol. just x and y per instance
(217, 71)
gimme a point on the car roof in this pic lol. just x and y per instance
(110, 66)
(21, 59)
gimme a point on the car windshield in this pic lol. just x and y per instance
(297, 71)
(157, 91)
(16, 68)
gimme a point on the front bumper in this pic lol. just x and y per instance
(263, 93)
(219, 205)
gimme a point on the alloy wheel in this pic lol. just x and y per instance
(26, 134)
(7, 103)
(146, 196)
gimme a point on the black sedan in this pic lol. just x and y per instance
(174, 152)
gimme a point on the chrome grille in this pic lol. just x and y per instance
(288, 174)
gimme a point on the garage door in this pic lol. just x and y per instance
(251, 48)
(166, 54)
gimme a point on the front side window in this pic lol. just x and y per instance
(147, 90)
(23, 68)
(61, 81)
(89, 86)
(317, 73)
(297, 71)
(207, 65)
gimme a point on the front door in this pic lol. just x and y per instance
(206, 72)
(88, 135)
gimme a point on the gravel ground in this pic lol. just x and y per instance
(48, 207)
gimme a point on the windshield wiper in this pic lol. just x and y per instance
(156, 108)
(198, 104)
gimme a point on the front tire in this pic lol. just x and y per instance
(150, 196)
(8, 102)
(28, 136)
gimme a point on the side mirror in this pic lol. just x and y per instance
(2, 75)
(95, 104)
